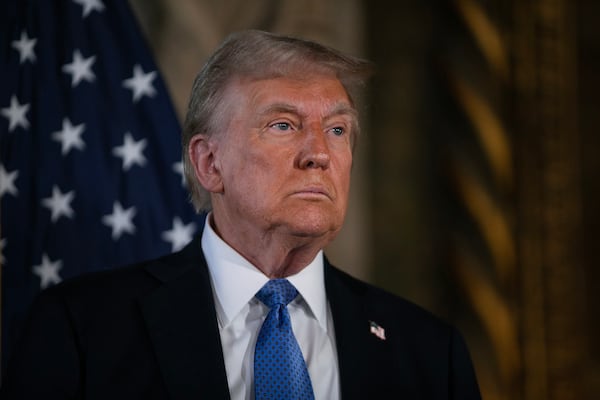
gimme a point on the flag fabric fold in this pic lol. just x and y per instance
(90, 149)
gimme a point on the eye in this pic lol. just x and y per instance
(338, 131)
(282, 126)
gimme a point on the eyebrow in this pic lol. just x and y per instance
(344, 108)
(279, 108)
(338, 109)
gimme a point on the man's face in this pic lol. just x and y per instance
(285, 157)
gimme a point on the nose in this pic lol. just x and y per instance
(314, 151)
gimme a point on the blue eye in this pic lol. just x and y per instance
(282, 126)
(338, 131)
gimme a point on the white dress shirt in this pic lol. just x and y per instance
(240, 315)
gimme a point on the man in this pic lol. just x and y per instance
(268, 144)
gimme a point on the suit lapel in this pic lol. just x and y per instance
(362, 356)
(182, 324)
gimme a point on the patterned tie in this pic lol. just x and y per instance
(279, 368)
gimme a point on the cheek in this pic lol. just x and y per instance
(253, 176)
(344, 166)
(343, 182)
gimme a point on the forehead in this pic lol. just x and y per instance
(311, 93)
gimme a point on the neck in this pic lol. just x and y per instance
(275, 253)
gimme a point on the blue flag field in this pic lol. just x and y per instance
(90, 151)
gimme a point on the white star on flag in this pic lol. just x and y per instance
(7, 182)
(131, 151)
(59, 203)
(180, 234)
(140, 83)
(25, 48)
(178, 168)
(89, 6)
(70, 136)
(48, 271)
(120, 220)
(16, 114)
(80, 68)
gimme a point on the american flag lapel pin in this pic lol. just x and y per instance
(377, 330)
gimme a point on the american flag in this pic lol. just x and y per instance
(90, 169)
(377, 330)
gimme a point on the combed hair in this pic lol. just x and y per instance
(256, 55)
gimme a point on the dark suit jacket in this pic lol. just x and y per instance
(150, 331)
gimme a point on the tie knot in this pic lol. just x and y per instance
(277, 291)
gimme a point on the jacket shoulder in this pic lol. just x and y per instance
(391, 308)
(135, 278)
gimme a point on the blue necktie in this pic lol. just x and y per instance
(279, 368)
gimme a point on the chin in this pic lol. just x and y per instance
(315, 225)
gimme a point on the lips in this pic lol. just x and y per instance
(313, 192)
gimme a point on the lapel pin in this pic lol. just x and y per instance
(377, 330)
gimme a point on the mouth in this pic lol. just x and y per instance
(313, 193)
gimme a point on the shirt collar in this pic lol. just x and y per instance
(235, 280)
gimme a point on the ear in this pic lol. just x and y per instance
(201, 151)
